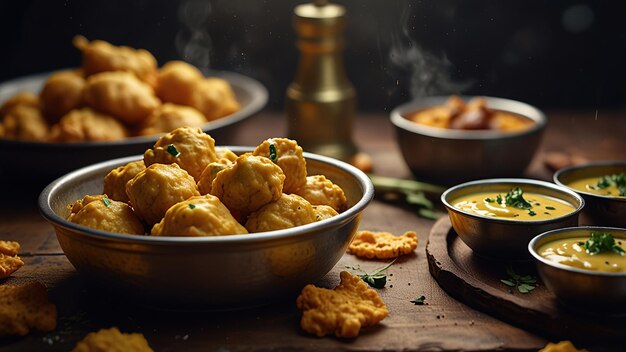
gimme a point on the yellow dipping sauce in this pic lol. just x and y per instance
(589, 185)
(568, 251)
(485, 204)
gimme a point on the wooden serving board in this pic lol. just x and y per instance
(476, 282)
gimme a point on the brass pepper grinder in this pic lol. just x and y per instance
(321, 102)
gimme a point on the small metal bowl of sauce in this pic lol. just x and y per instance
(583, 271)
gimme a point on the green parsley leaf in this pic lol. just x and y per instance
(106, 201)
(550, 208)
(524, 284)
(173, 151)
(489, 200)
(273, 153)
(419, 300)
(601, 242)
(617, 180)
(377, 278)
(531, 213)
(499, 199)
(191, 206)
(515, 198)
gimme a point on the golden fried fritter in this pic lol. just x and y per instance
(196, 217)
(154, 190)
(342, 311)
(115, 181)
(108, 215)
(21, 98)
(79, 204)
(122, 95)
(382, 245)
(288, 211)
(169, 116)
(177, 80)
(81, 125)
(62, 92)
(289, 158)
(24, 308)
(323, 212)
(100, 56)
(112, 340)
(225, 153)
(25, 123)
(208, 175)
(321, 191)
(188, 147)
(249, 184)
(214, 98)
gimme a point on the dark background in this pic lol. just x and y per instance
(553, 54)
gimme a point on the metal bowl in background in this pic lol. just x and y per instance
(451, 156)
(579, 288)
(502, 238)
(42, 160)
(599, 210)
(206, 272)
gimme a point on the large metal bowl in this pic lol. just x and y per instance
(503, 238)
(579, 288)
(451, 156)
(209, 272)
(599, 210)
(41, 160)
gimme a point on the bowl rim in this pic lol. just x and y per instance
(258, 92)
(45, 208)
(557, 177)
(521, 181)
(533, 252)
(397, 118)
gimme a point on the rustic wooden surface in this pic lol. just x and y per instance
(476, 281)
(442, 324)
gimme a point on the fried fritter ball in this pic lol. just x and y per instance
(100, 56)
(25, 308)
(169, 116)
(208, 175)
(342, 311)
(154, 190)
(288, 211)
(323, 212)
(108, 215)
(289, 158)
(112, 340)
(214, 98)
(85, 124)
(21, 98)
(249, 184)
(115, 181)
(177, 80)
(25, 123)
(197, 217)
(225, 153)
(321, 191)
(79, 204)
(188, 147)
(62, 92)
(122, 95)
(382, 245)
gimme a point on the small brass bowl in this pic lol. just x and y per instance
(214, 273)
(448, 156)
(503, 238)
(580, 288)
(599, 210)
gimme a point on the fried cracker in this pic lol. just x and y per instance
(342, 311)
(9, 248)
(382, 245)
(9, 264)
(112, 340)
(26, 307)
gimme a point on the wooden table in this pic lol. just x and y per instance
(442, 324)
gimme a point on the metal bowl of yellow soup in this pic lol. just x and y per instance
(577, 277)
(595, 182)
(491, 218)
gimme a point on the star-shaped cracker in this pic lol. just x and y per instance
(342, 311)
(382, 245)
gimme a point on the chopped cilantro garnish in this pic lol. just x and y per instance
(531, 213)
(173, 151)
(515, 198)
(106, 201)
(489, 200)
(617, 180)
(550, 208)
(524, 284)
(419, 300)
(273, 153)
(191, 206)
(601, 242)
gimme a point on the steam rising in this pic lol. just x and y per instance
(193, 42)
(430, 75)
